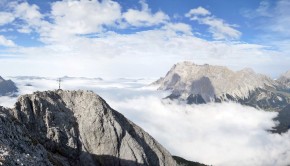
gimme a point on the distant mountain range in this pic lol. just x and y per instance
(7, 87)
(197, 84)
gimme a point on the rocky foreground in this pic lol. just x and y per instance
(72, 128)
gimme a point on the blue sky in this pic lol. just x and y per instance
(142, 38)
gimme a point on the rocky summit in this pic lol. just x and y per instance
(206, 83)
(7, 87)
(72, 128)
(200, 84)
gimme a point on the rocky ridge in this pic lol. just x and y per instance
(200, 84)
(284, 79)
(206, 83)
(74, 128)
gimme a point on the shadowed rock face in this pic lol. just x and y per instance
(80, 128)
(7, 87)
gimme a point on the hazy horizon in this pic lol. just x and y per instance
(141, 38)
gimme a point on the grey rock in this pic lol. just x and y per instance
(197, 84)
(16, 145)
(284, 80)
(80, 128)
(7, 87)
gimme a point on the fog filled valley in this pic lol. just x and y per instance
(144, 83)
(224, 133)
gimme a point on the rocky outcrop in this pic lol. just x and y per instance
(197, 84)
(80, 128)
(7, 87)
(284, 79)
(17, 147)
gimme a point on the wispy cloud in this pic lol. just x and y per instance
(144, 17)
(198, 11)
(273, 17)
(5, 18)
(6, 42)
(218, 27)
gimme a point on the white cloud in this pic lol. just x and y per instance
(179, 27)
(92, 50)
(6, 42)
(7, 101)
(66, 18)
(261, 11)
(280, 18)
(84, 17)
(29, 14)
(218, 134)
(198, 11)
(218, 27)
(272, 17)
(144, 17)
(5, 18)
(129, 52)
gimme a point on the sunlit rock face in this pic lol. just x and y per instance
(284, 79)
(77, 128)
(206, 83)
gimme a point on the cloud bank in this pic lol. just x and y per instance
(219, 134)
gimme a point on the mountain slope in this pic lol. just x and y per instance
(16, 146)
(205, 83)
(7, 87)
(284, 79)
(80, 128)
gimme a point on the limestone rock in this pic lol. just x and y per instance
(212, 81)
(284, 79)
(206, 83)
(80, 128)
(16, 145)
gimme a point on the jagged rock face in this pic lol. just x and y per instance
(284, 79)
(205, 83)
(16, 145)
(80, 128)
(212, 81)
(7, 87)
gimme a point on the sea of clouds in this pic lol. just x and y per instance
(223, 134)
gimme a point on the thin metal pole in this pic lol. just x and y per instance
(59, 80)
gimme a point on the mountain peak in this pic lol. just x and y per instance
(188, 78)
(207, 83)
(80, 128)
